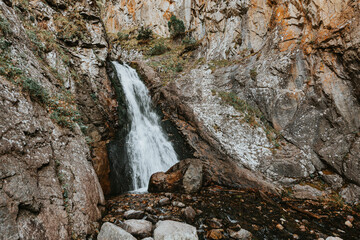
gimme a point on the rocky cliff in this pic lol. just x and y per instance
(57, 111)
(274, 83)
(269, 86)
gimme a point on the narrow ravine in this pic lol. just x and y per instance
(147, 147)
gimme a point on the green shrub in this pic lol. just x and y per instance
(5, 26)
(122, 36)
(253, 74)
(179, 67)
(35, 40)
(176, 27)
(144, 33)
(64, 112)
(4, 44)
(35, 90)
(158, 49)
(190, 44)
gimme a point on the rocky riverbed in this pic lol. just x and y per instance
(219, 213)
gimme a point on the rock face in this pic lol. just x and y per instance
(55, 100)
(285, 61)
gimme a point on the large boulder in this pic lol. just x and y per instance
(110, 231)
(190, 175)
(166, 230)
(138, 228)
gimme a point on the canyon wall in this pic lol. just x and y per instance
(295, 61)
(57, 113)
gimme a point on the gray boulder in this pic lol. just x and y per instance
(171, 230)
(138, 228)
(110, 231)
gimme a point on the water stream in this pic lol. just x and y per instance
(147, 147)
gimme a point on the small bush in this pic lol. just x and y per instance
(253, 74)
(144, 33)
(122, 36)
(5, 26)
(179, 68)
(176, 27)
(158, 49)
(4, 44)
(35, 90)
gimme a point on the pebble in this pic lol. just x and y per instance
(302, 228)
(295, 236)
(214, 223)
(349, 224)
(178, 204)
(215, 234)
(164, 201)
(133, 214)
(350, 218)
(189, 214)
(280, 227)
(150, 210)
(242, 234)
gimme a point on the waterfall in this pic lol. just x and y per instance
(147, 147)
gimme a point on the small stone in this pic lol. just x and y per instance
(242, 234)
(215, 234)
(198, 211)
(148, 238)
(150, 210)
(349, 224)
(178, 204)
(169, 195)
(133, 214)
(189, 214)
(302, 228)
(350, 218)
(333, 238)
(306, 192)
(164, 201)
(138, 228)
(152, 218)
(214, 223)
(295, 236)
(279, 226)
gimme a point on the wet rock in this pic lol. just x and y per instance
(215, 234)
(174, 230)
(306, 192)
(350, 218)
(348, 224)
(110, 231)
(134, 214)
(280, 227)
(178, 204)
(214, 223)
(351, 194)
(152, 218)
(150, 210)
(164, 201)
(138, 228)
(189, 214)
(242, 234)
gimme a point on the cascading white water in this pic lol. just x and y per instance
(147, 146)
